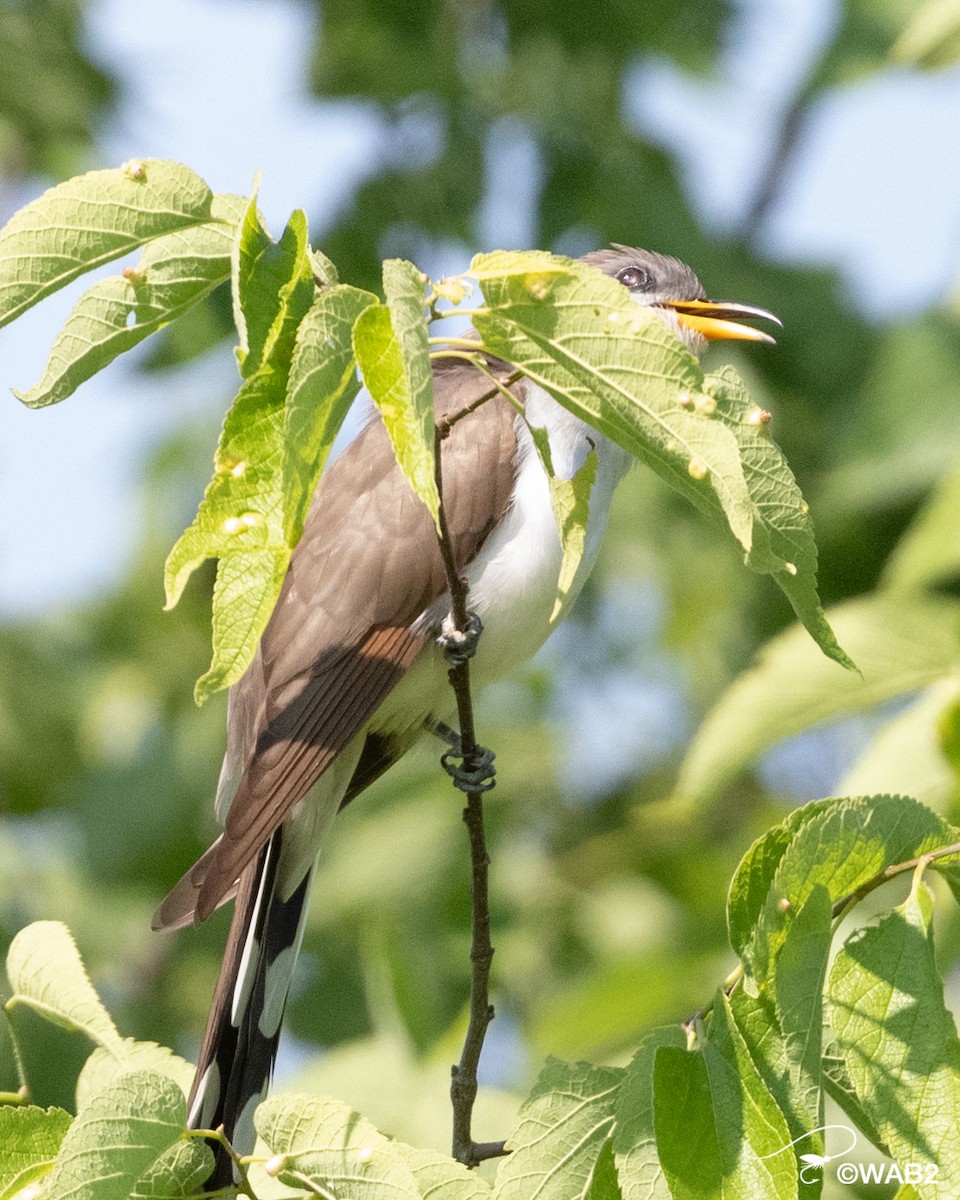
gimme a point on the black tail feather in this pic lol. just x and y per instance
(240, 1044)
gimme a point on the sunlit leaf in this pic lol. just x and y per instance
(898, 1041)
(92, 219)
(564, 1124)
(29, 1140)
(175, 272)
(47, 975)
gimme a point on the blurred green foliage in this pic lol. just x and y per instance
(607, 901)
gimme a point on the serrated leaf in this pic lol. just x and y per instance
(750, 886)
(175, 272)
(785, 515)
(178, 1174)
(719, 1131)
(244, 594)
(899, 642)
(92, 219)
(441, 1178)
(579, 335)
(46, 974)
(615, 364)
(634, 1138)
(843, 846)
(330, 1144)
(273, 288)
(322, 386)
(899, 1042)
(393, 354)
(564, 1124)
(103, 1067)
(118, 1137)
(29, 1140)
(242, 507)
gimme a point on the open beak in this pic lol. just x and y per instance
(719, 319)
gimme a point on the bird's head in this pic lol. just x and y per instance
(669, 286)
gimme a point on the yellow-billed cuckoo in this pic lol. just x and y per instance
(349, 672)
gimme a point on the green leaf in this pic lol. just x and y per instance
(578, 334)
(615, 364)
(331, 1145)
(843, 846)
(750, 886)
(322, 386)
(244, 595)
(29, 1141)
(757, 1022)
(178, 1174)
(719, 1131)
(441, 1178)
(103, 1068)
(898, 1041)
(47, 975)
(932, 36)
(564, 1124)
(798, 991)
(91, 219)
(393, 352)
(118, 1137)
(900, 643)
(785, 515)
(570, 499)
(273, 287)
(929, 552)
(175, 272)
(634, 1138)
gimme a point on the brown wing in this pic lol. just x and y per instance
(339, 638)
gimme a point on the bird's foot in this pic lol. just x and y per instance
(459, 645)
(473, 773)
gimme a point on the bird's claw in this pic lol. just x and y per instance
(478, 776)
(459, 645)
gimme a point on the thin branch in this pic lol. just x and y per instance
(463, 1085)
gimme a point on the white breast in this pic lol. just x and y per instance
(513, 580)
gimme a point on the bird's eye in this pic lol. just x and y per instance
(637, 279)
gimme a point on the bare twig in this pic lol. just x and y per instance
(463, 1086)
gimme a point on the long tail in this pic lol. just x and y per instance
(243, 1030)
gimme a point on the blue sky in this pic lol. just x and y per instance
(874, 191)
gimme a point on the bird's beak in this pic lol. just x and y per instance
(718, 319)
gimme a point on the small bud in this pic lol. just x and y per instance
(706, 405)
(273, 1166)
(364, 1154)
(232, 525)
(250, 519)
(684, 399)
(133, 168)
(537, 287)
(759, 417)
(697, 468)
(790, 568)
(804, 507)
(784, 905)
(134, 275)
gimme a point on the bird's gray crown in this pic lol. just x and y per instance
(650, 277)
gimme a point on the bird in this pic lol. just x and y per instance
(350, 670)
